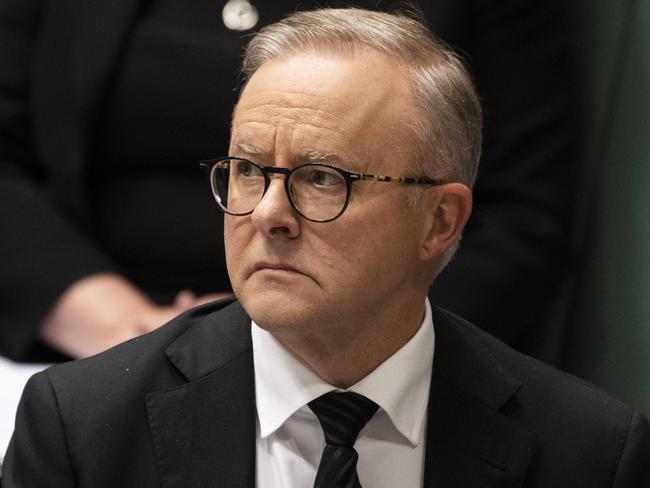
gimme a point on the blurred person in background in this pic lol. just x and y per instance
(107, 230)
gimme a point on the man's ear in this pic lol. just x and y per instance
(449, 208)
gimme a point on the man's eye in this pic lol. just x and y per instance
(245, 169)
(324, 178)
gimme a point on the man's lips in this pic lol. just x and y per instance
(275, 266)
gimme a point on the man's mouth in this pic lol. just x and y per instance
(268, 266)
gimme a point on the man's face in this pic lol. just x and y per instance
(294, 275)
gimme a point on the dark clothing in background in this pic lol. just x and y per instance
(168, 107)
(177, 408)
(106, 107)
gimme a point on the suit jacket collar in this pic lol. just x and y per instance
(213, 342)
(470, 443)
(204, 430)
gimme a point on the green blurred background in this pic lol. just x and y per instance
(601, 329)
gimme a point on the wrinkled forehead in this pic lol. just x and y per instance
(362, 101)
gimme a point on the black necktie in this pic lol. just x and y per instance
(342, 416)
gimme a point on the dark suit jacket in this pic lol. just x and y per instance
(59, 59)
(177, 408)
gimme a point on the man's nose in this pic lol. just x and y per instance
(274, 216)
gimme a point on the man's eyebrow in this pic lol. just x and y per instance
(249, 149)
(320, 156)
(305, 156)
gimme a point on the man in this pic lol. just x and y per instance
(354, 146)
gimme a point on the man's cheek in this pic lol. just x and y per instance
(331, 255)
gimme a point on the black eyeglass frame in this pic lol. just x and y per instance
(349, 176)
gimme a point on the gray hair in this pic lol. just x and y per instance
(448, 126)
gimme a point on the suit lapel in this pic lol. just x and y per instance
(204, 430)
(470, 443)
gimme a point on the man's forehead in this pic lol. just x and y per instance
(274, 105)
(325, 82)
(271, 143)
(354, 103)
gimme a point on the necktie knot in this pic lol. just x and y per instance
(342, 416)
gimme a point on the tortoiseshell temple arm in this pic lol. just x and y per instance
(397, 179)
(224, 163)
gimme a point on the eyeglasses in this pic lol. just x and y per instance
(316, 191)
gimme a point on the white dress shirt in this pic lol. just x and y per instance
(290, 440)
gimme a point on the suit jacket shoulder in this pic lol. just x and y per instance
(148, 412)
(565, 431)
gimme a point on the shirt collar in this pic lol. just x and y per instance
(400, 385)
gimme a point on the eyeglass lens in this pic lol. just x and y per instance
(318, 192)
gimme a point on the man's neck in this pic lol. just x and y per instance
(342, 359)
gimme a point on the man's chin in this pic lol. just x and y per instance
(277, 309)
